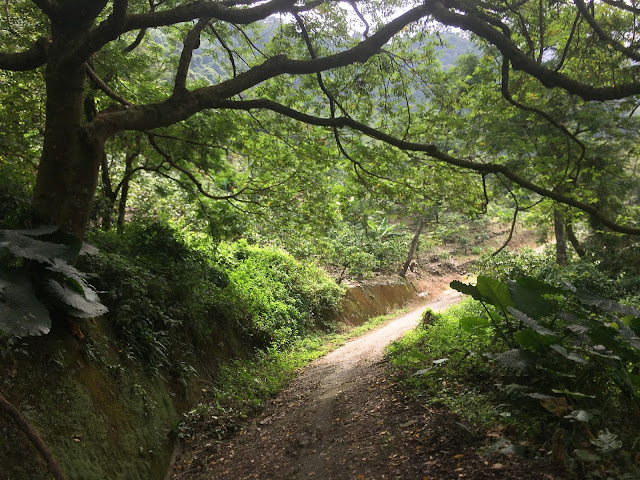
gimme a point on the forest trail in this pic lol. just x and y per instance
(342, 419)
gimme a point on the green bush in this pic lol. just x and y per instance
(168, 290)
(279, 298)
(512, 264)
(443, 364)
(539, 353)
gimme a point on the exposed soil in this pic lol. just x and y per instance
(343, 418)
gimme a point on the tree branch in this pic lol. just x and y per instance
(584, 11)
(108, 30)
(174, 109)
(565, 51)
(622, 5)
(506, 94)
(523, 62)
(356, 10)
(49, 7)
(516, 210)
(141, 33)
(191, 42)
(130, 48)
(227, 49)
(119, 13)
(34, 57)
(97, 81)
(52, 465)
(433, 152)
(167, 158)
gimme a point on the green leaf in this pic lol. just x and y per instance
(568, 355)
(38, 231)
(515, 360)
(632, 322)
(494, 291)
(605, 304)
(531, 323)
(24, 247)
(572, 394)
(80, 306)
(539, 286)
(580, 416)
(606, 441)
(585, 456)
(527, 297)
(471, 324)
(533, 340)
(417, 356)
(539, 396)
(467, 290)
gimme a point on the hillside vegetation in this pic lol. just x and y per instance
(187, 186)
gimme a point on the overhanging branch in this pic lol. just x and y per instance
(178, 108)
(108, 30)
(431, 151)
(520, 61)
(34, 57)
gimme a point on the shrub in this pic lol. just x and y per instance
(278, 297)
(168, 290)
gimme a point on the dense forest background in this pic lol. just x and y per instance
(185, 187)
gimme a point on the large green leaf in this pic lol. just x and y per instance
(533, 340)
(75, 303)
(21, 313)
(527, 295)
(494, 291)
(40, 231)
(531, 323)
(568, 355)
(571, 394)
(627, 333)
(516, 361)
(605, 304)
(29, 248)
(467, 290)
(534, 284)
(471, 324)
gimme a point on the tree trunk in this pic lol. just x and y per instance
(574, 241)
(561, 238)
(124, 191)
(108, 192)
(412, 248)
(68, 172)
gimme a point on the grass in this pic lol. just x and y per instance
(440, 363)
(446, 367)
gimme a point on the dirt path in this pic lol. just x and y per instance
(342, 418)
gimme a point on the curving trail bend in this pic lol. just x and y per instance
(343, 419)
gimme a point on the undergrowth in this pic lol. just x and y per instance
(172, 293)
(443, 365)
(538, 357)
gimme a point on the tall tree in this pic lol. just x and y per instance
(315, 71)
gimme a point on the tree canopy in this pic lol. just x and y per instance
(237, 98)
